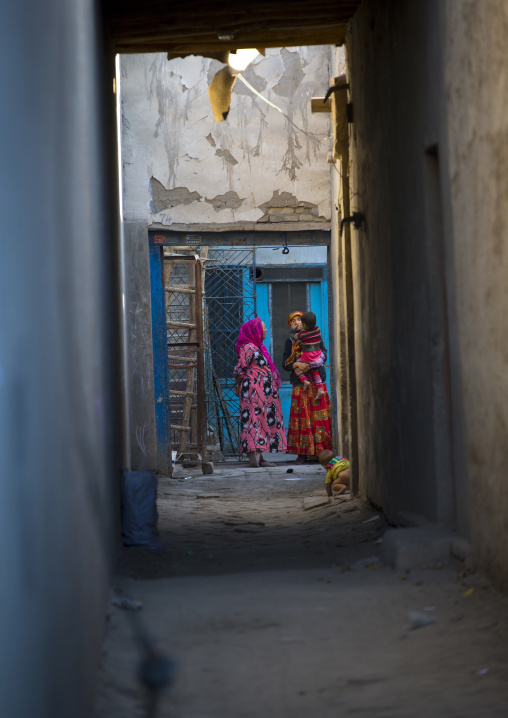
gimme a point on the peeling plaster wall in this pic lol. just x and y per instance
(181, 168)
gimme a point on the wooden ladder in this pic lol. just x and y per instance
(189, 355)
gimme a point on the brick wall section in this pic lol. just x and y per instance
(285, 207)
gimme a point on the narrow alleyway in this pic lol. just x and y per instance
(271, 608)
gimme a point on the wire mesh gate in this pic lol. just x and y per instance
(229, 301)
(229, 282)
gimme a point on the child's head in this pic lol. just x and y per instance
(325, 457)
(308, 320)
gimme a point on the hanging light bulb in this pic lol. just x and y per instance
(222, 84)
(241, 58)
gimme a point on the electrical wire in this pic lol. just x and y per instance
(313, 136)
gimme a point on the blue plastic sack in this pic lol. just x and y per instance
(139, 511)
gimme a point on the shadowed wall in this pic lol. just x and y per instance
(59, 301)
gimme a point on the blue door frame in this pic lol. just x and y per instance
(160, 361)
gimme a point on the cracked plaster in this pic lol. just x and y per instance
(230, 200)
(170, 135)
(163, 198)
(292, 76)
(226, 156)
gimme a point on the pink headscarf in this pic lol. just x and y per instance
(252, 333)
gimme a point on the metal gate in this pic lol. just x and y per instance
(229, 301)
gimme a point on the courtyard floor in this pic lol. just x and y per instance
(274, 602)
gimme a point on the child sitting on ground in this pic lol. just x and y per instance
(310, 342)
(338, 473)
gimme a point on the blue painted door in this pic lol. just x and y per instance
(316, 300)
(318, 294)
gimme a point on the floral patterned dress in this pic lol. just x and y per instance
(262, 425)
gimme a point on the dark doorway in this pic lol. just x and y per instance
(287, 297)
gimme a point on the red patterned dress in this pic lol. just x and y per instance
(310, 427)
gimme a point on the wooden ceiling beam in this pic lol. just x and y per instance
(317, 20)
(254, 7)
(194, 27)
(182, 46)
(219, 18)
(239, 39)
(156, 45)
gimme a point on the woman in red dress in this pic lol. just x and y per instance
(310, 429)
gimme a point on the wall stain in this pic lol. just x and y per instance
(290, 86)
(230, 200)
(167, 106)
(257, 82)
(285, 199)
(172, 107)
(291, 162)
(285, 207)
(293, 74)
(224, 139)
(226, 156)
(163, 198)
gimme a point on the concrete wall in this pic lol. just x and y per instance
(338, 371)
(396, 76)
(58, 355)
(143, 444)
(260, 168)
(344, 366)
(430, 172)
(477, 107)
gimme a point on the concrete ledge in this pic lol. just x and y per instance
(242, 226)
(410, 548)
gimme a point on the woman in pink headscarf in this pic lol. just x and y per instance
(257, 386)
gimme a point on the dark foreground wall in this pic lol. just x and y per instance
(477, 107)
(394, 55)
(58, 338)
(429, 148)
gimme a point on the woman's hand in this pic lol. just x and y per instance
(237, 386)
(300, 367)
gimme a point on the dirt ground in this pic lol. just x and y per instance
(273, 610)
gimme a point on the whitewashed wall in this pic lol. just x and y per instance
(182, 168)
(268, 256)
